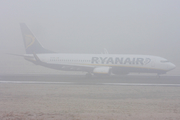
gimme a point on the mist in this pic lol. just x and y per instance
(32, 91)
(123, 27)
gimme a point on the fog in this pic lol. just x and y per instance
(123, 27)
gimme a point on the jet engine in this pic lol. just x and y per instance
(102, 71)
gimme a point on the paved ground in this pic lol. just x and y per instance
(82, 78)
(54, 98)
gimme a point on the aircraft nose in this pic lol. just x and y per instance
(172, 66)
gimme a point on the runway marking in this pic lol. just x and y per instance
(140, 84)
(117, 84)
(34, 82)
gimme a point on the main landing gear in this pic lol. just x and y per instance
(88, 75)
(158, 76)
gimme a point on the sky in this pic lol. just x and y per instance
(149, 27)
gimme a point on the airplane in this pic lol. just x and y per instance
(93, 64)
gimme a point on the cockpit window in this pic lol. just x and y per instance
(164, 61)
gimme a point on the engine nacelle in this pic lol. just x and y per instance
(102, 71)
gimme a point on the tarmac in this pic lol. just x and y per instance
(82, 80)
(75, 97)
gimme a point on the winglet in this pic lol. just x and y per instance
(105, 51)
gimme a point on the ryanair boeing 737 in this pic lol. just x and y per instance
(93, 64)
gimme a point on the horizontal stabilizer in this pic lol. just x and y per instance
(15, 54)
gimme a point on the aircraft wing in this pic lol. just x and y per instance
(65, 66)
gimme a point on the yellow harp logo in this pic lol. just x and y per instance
(29, 40)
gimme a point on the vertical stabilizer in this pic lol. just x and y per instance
(31, 44)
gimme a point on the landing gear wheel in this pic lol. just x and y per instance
(88, 75)
(158, 76)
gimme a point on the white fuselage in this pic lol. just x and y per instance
(120, 63)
